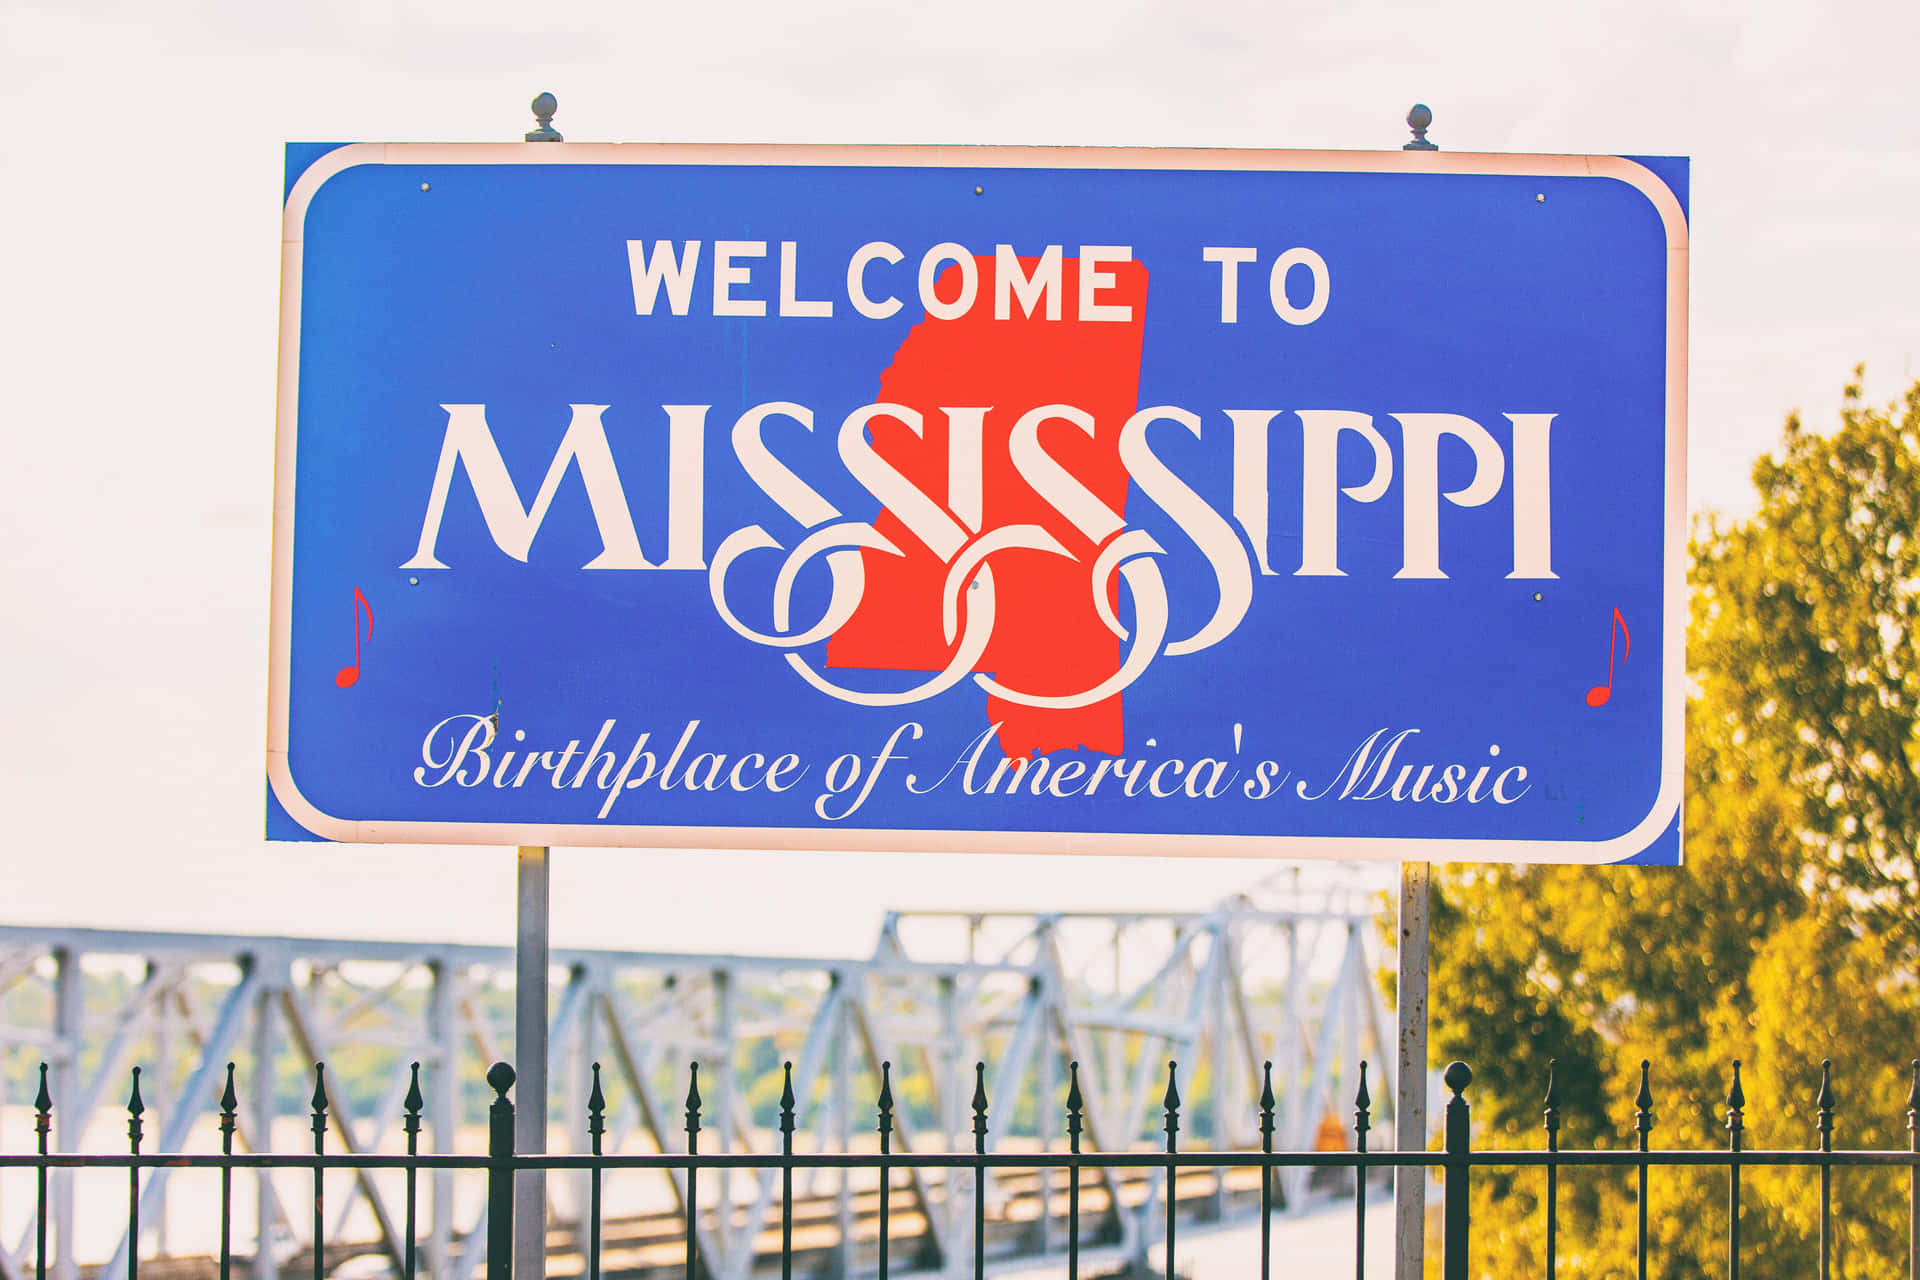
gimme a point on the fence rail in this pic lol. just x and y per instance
(1456, 1160)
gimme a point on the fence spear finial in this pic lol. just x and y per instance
(43, 1103)
(596, 1111)
(500, 1078)
(229, 1113)
(1074, 1103)
(786, 1103)
(1736, 1107)
(1826, 1101)
(135, 1109)
(319, 1103)
(1643, 1101)
(693, 1104)
(1362, 1108)
(979, 1106)
(1171, 1102)
(415, 1101)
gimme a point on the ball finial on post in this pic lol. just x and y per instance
(544, 108)
(1420, 119)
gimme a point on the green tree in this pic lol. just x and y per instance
(1790, 935)
(1803, 637)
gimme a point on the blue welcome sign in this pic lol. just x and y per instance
(1265, 503)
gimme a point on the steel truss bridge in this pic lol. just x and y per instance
(1284, 973)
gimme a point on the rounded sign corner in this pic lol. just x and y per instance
(316, 175)
(1657, 192)
(287, 792)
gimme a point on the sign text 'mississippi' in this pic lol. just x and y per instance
(950, 524)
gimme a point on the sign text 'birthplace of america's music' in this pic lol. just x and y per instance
(1168, 502)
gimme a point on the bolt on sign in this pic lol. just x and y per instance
(1163, 502)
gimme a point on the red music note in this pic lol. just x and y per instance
(1598, 695)
(350, 674)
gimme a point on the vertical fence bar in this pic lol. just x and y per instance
(786, 1176)
(1913, 1175)
(1266, 1171)
(42, 1126)
(500, 1174)
(596, 1128)
(1736, 1125)
(1552, 1126)
(229, 1118)
(1074, 1103)
(979, 1170)
(135, 1108)
(414, 1103)
(1824, 1105)
(1362, 1103)
(319, 1171)
(1456, 1256)
(886, 1149)
(1172, 1104)
(693, 1174)
(1642, 1127)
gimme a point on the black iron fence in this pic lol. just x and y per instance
(1456, 1160)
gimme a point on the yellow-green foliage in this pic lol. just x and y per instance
(1790, 936)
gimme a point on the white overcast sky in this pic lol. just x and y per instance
(140, 170)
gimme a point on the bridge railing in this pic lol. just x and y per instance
(1096, 1182)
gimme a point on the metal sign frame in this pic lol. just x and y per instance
(1662, 817)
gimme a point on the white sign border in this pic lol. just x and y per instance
(1666, 805)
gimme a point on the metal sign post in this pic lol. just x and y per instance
(1410, 1076)
(531, 948)
(1410, 993)
(530, 1051)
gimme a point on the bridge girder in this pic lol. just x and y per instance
(1283, 973)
